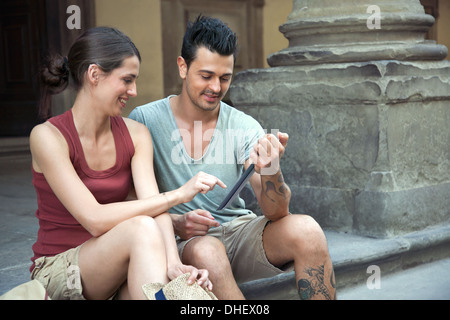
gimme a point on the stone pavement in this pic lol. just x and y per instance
(351, 254)
(429, 281)
(18, 225)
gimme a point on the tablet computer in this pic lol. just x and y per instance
(237, 187)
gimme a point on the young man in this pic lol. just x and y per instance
(195, 131)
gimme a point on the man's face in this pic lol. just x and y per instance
(208, 78)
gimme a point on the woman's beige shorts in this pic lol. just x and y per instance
(60, 275)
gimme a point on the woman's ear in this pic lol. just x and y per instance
(182, 67)
(93, 74)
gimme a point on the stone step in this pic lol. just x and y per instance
(13, 146)
(353, 254)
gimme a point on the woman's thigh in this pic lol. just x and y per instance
(104, 261)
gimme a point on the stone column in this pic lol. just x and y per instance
(367, 108)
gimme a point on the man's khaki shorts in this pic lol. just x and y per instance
(242, 238)
(60, 275)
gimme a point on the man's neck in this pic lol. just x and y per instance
(187, 113)
(196, 126)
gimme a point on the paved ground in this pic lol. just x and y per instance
(18, 225)
(430, 281)
(18, 229)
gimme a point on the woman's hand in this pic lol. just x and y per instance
(199, 275)
(200, 183)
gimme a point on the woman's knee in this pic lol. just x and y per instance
(142, 228)
(143, 222)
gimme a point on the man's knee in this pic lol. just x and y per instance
(305, 233)
(203, 251)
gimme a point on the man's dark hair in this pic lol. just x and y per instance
(210, 33)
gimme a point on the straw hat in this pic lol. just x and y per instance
(177, 289)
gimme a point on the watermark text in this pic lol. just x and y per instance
(374, 21)
(374, 280)
(74, 20)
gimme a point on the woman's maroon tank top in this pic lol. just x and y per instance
(59, 231)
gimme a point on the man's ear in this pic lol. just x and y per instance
(182, 67)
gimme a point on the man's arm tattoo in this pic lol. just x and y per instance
(280, 190)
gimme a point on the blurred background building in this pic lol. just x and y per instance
(29, 29)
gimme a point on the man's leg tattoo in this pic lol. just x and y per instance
(315, 285)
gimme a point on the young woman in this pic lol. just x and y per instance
(91, 242)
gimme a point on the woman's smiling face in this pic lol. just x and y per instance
(114, 89)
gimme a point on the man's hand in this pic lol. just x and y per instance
(194, 223)
(266, 154)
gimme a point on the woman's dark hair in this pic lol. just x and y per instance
(104, 46)
(210, 33)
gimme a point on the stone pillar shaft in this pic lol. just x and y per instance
(367, 114)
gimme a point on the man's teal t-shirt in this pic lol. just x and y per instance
(233, 138)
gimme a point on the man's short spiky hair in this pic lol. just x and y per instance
(210, 33)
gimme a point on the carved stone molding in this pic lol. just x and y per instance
(324, 31)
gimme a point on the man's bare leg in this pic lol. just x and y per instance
(209, 253)
(300, 239)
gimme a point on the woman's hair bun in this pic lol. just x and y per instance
(104, 46)
(55, 74)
